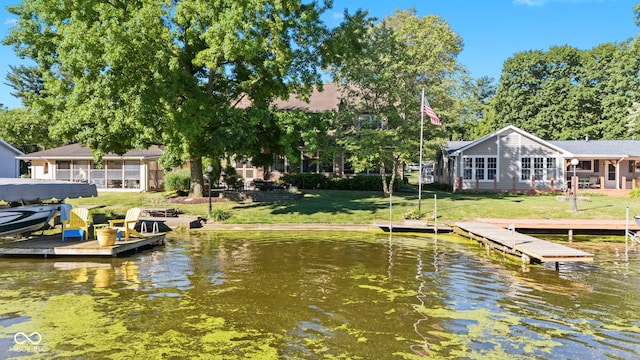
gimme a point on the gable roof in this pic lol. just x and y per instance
(464, 145)
(77, 152)
(10, 147)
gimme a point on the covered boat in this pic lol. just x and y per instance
(26, 210)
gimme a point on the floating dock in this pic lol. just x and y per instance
(529, 248)
(52, 245)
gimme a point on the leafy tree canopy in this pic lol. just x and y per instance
(380, 118)
(198, 77)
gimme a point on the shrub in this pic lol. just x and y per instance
(178, 180)
(358, 182)
(220, 215)
(634, 194)
(307, 181)
(414, 214)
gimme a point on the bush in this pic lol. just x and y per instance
(634, 194)
(358, 182)
(307, 181)
(178, 180)
(220, 215)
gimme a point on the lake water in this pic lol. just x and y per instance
(316, 296)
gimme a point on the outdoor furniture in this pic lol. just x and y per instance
(78, 225)
(127, 225)
(593, 182)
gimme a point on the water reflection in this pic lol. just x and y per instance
(275, 295)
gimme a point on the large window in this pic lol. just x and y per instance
(540, 168)
(481, 168)
(114, 174)
(63, 170)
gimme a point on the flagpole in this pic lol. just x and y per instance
(420, 163)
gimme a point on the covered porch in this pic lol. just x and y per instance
(603, 173)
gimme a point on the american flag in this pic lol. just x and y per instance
(427, 110)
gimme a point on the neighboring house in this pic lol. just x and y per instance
(319, 101)
(512, 159)
(9, 165)
(136, 170)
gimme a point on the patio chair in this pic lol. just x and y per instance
(593, 182)
(127, 225)
(78, 224)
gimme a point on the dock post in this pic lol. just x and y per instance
(626, 236)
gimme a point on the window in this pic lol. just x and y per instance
(584, 165)
(552, 169)
(492, 168)
(538, 168)
(541, 168)
(526, 169)
(632, 166)
(611, 172)
(81, 170)
(468, 169)
(480, 168)
(63, 170)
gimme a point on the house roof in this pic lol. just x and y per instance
(453, 146)
(319, 101)
(570, 148)
(77, 151)
(600, 148)
(10, 147)
(464, 145)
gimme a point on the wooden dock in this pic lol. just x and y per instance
(52, 245)
(529, 248)
(413, 226)
(569, 226)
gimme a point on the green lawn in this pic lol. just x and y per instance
(356, 207)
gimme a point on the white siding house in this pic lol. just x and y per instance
(512, 159)
(9, 164)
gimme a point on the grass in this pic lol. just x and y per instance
(359, 207)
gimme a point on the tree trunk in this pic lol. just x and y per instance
(196, 189)
(383, 176)
(388, 187)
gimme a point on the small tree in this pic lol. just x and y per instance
(379, 120)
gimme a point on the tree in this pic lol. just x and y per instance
(400, 56)
(566, 93)
(26, 81)
(198, 77)
(25, 131)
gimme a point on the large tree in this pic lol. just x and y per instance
(566, 93)
(401, 55)
(198, 77)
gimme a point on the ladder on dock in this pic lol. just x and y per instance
(529, 248)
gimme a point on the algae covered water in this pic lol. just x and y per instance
(316, 296)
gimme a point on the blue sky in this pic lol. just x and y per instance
(492, 30)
